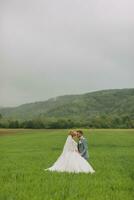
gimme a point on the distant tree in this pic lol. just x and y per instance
(37, 123)
(28, 124)
(13, 124)
(0, 116)
(131, 123)
(61, 123)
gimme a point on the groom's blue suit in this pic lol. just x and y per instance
(83, 147)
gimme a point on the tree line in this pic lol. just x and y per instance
(94, 122)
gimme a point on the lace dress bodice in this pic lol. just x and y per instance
(70, 145)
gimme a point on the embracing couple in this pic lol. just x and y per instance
(74, 156)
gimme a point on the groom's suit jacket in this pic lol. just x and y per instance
(83, 147)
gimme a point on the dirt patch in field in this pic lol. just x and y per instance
(4, 132)
(10, 131)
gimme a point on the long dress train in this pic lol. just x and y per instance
(70, 160)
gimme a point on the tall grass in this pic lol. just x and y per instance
(25, 153)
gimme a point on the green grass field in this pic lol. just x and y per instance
(25, 153)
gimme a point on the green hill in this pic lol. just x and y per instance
(117, 102)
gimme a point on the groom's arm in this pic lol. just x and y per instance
(85, 147)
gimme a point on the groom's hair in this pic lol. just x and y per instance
(80, 131)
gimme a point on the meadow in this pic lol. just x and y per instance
(24, 154)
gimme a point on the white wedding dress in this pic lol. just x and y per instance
(70, 160)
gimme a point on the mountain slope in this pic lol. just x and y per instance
(108, 102)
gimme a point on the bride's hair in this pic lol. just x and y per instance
(72, 133)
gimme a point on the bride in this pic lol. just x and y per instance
(70, 160)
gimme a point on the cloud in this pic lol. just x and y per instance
(50, 48)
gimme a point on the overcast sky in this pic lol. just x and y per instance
(55, 47)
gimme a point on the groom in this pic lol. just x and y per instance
(82, 145)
